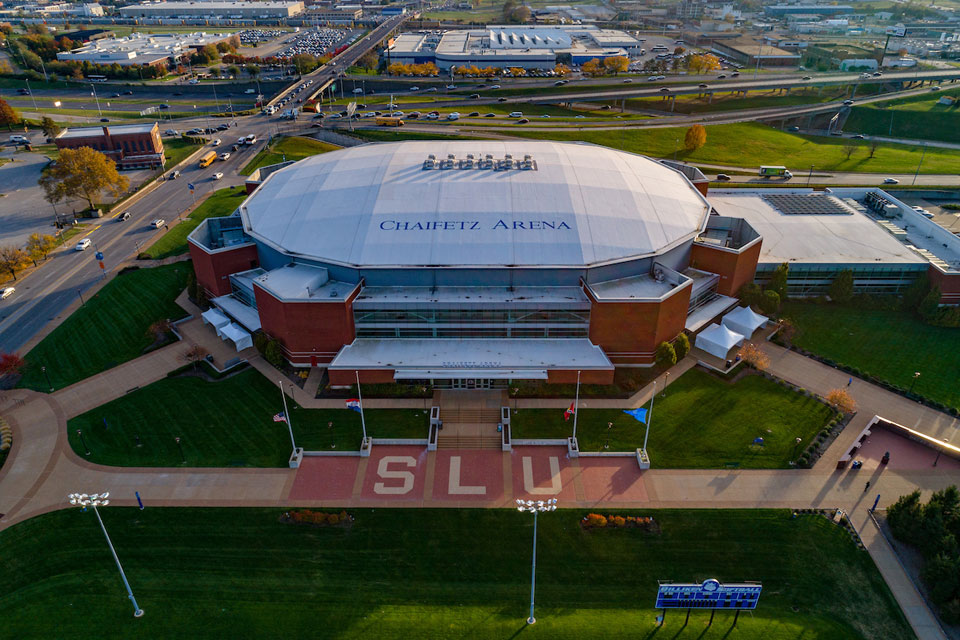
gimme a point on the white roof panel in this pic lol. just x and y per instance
(375, 205)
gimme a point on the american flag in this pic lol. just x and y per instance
(279, 417)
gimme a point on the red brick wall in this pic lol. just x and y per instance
(948, 283)
(702, 187)
(629, 332)
(735, 269)
(309, 332)
(345, 377)
(213, 269)
(586, 377)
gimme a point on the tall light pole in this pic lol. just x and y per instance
(916, 374)
(535, 507)
(919, 164)
(649, 417)
(286, 414)
(100, 500)
(97, 98)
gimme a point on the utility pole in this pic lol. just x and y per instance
(919, 164)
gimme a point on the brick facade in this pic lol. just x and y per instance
(310, 333)
(735, 268)
(213, 269)
(948, 283)
(129, 149)
(629, 332)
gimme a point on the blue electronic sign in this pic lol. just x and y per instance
(708, 595)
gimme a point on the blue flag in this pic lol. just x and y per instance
(639, 414)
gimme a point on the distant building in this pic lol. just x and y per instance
(524, 46)
(751, 54)
(131, 146)
(142, 49)
(687, 10)
(336, 15)
(213, 9)
(812, 9)
(88, 35)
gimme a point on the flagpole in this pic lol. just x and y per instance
(363, 423)
(649, 416)
(576, 407)
(286, 414)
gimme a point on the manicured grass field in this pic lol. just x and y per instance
(914, 117)
(450, 573)
(752, 145)
(110, 328)
(176, 149)
(701, 422)
(392, 135)
(890, 345)
(731, 101)
(293, 148)
(174, 243)
(224, 423)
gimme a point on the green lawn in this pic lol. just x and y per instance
(110, 328)
(447, 573)
(392, 135)
(176, 149)
(890, 345)
(752, 145)
(292, 148)
(701, 422)
(224, 423)
(222, 202)
(914, 117)
(730, 101)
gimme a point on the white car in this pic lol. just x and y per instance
(451, 86)
(159, 222)
(414, 88)
(494, 86)
(242, 140)
(217, 142)
(453, 116)
(890, 181)
(83, 244)
(218, 175)
(6, 292)
(358, 91)
(225, 155)
(250, 91)
(516, 114)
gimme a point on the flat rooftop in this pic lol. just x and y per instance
(464, 296)
(303, 282)
(86, 132)
(438, 357)
(812, 238)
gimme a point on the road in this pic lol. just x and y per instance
(44, 293)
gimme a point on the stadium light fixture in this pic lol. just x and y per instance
(535, 507)
(100, 500)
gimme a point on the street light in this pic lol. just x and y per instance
(47, 376)
(100, 500)
(916, 374)
(535, 507)
(939, 451)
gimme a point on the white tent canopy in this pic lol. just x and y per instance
(240, 337)
(717, 340)
(215, 317)
(744, 320)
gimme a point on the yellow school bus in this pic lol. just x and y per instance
(389, 121)
(207, 159)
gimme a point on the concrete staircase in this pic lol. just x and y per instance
(469, 441)
(469, 420)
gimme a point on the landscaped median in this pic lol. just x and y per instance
(222, 202)
(293, 148)
(448, 573)
(700, 422)
(228, 422)
(112, 327)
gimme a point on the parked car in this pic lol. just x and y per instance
(83, 244)
(6, 292)
(159, 222)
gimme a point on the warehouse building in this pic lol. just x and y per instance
(523, 46)
(262, 9)
(141, 48)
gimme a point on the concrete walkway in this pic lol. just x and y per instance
(42, 468)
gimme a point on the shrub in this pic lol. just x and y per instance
(618, 521)
(260, 341)
(666, 355)
(595, 520)
(754, 356)
(770, 302)
(841, 400)
(682, 346)
(273, 354)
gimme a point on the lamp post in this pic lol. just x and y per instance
(97, 98)
(100, 500)
(84, 442)
(916, 374)
(796, 443)
(535, 507)
(47, 376)
(183, 458)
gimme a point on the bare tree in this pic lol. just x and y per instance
(194, 354)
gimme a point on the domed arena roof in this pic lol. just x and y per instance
(465, 203)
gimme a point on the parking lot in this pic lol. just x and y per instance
(315, 42)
